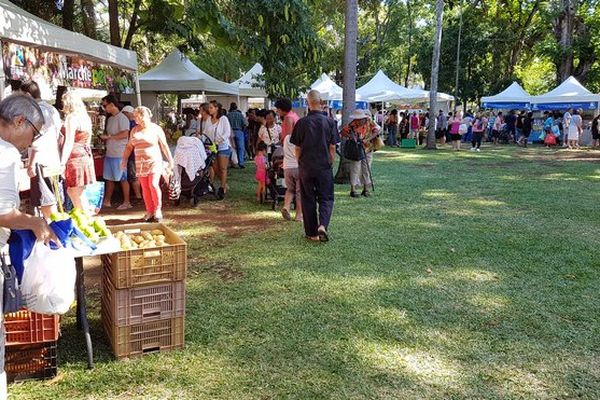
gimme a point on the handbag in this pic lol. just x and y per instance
(353, 148)
(11, 299)
(377, 143)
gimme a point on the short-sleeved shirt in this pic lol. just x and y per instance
(314, 134)
(148, 156)
(269, 135)
(10, 162)
(114, 125)
(236, 120)
(293, 117)
(46, 146)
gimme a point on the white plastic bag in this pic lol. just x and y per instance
(234, 157)
(48, 284)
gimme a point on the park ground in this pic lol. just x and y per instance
(465, 276)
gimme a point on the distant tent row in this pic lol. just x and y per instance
(569, 94)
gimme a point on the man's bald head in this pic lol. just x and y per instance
(313, 98)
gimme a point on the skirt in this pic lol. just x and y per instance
(80, 171)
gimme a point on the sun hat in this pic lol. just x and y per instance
(358, 114)
(128, 109)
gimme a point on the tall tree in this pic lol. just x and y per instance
(435, 69)
(350, 49)
(68, 14)
(90, 20)
(113, 20)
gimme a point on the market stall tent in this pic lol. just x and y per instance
(513, 97)
(249, 85)
(381, 88)
(569, 94)
(20, 27)
(177, 74)
(328, 88)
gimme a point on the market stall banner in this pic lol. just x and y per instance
(24, 63)
(590, 105)
(506, 106)
(338, 105)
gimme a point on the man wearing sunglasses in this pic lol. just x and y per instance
(116, 137)
(20, 122)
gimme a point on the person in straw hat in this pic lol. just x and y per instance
(362, 128)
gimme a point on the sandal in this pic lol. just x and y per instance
(323, 236)
(286, 214)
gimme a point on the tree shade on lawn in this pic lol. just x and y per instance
(467, 275)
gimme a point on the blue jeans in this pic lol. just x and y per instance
(240, 145)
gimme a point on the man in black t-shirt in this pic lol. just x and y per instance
(315, 137)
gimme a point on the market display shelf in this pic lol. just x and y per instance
(24, 327)
(151, 266)
(139, 339)
(31, 361)
(143, 304)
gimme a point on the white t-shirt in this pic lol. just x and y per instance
(114, 125)
(289, 154)
(566, 121)
(46, 146)
(10, 163)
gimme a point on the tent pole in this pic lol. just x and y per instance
(137, 89)
(2, 77)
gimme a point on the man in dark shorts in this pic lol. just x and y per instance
(315, 137)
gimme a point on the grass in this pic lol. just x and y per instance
(466, 275)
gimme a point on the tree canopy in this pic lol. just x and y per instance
(536, 42)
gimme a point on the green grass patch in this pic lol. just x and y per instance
(465, 275)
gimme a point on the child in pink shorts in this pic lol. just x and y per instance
(261, 171)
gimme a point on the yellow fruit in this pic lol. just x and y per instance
(157, 232)
(139, 239)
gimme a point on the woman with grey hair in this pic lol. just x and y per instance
(20, 122)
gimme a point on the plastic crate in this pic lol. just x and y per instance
(140, 339)
(143, 267)
(408, 143)
(143, 304)
(24, 327)
(30, 361)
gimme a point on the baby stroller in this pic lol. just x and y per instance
(275, 179)
(505, 136)
(193, 159)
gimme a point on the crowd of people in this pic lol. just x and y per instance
(562, 129)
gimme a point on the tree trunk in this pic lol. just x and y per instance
(350, 51)
(89, 18)
(68, 14)
(113, 19)
(133, 26)
(410, 31)
(563, 31)
(460, 24)
(435, 69)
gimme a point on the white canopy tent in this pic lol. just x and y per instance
(381, 88)
(328, 88)
(512, 97)
(249, 85)
(569, 94)
(177, 74)
(20, 27)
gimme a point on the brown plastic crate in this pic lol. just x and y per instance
(24, 327)
(140, 339)
(143, 304)
(30, 361)
(144, 267)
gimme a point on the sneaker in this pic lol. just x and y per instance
(478, 149)
(365, 193)
(124, 206)
(472, 148)
(353, 194)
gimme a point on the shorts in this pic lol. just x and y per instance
(112, 170)
(42, 192)
(455, 136)
(292, 180)
(224, 153)
(440, 133)
(261, 176)
(131, 172)
(596, 136)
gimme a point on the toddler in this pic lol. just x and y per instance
(261, 171)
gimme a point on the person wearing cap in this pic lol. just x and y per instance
(315, 137)
(362, 128)
(131, 173)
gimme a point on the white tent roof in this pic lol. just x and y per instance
(512, 94)
(19, 26)
(382, 88)
(177, 74)
(568, 91)
(248, 83)
(328, 88)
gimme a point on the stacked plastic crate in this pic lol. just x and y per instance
(31, 341)
(143, 298)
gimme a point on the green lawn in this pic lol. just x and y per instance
(465, 276)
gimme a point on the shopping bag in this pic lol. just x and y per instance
(48, 285)
(234, 157)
